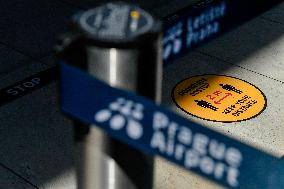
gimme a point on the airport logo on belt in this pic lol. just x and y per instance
(194, 150)
(123, 113)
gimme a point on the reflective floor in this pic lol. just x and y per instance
(36, 140)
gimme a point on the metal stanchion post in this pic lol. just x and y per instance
(119, 44)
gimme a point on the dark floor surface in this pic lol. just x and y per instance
(36, 140)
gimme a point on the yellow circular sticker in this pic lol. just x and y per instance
(219, 98)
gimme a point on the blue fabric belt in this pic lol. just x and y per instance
(155, 130)
(194, 25)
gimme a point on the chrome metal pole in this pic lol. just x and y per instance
(128, 59)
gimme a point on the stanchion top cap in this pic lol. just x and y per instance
(117, 22)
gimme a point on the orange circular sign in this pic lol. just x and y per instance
(219, 98)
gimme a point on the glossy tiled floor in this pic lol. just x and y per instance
(36, 141)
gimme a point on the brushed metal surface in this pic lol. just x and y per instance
(103, 162)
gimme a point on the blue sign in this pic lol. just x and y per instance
(155, 130)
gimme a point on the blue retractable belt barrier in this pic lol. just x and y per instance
(196, 24)
(155, 130)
